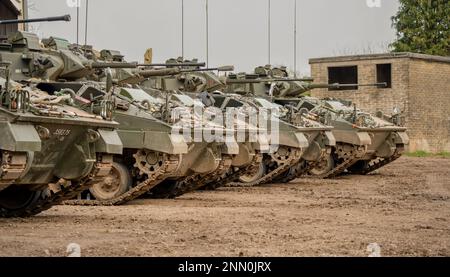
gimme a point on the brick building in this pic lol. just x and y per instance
(418, 84)
(11, 9)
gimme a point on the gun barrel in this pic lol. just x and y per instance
(198, 70)
(45, 19)
(99, 65)
(292, 80)
(172, 64)
(222, 68)
(348, 85)
(158, 72)
(243, 81)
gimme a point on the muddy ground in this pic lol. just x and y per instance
(404, 207)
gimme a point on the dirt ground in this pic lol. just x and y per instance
(404, 207)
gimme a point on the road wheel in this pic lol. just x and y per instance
(256, 176)
(325, 166)
(115, 184)
(15, 201)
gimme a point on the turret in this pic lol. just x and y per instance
(280, 87)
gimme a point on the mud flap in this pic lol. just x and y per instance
(230, 147)
(294, 140)
(262, 145)
(401, 138)
(164, 142)
(19, 138)
(329, 140)
(109, 142)
(352, 137)
(245, 156)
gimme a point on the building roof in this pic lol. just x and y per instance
(381, 56)
(13, 5)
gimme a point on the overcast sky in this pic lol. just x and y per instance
(237, 29)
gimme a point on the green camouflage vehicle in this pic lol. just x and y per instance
(50, 150)
(150, 152)
(156, 156)
(159, 84)
(302, 145)
(364, 142)
(319, 138)
(46, 140)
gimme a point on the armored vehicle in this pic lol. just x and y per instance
(299, 147)
(364, 142)
(159, 84)
(318, 142)
(155, 153)
(50, 150)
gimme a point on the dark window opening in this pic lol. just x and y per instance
(384, 75)
(344, 75)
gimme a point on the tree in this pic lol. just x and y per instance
(423, 27)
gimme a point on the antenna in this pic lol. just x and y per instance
(269, 30)
(182, 28)
(78, 24)
(207, 34)
(295, 38)
(25, 13)
(86, 24)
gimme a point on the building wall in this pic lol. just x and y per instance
(371, 99)
(429, 106)
(7, 13)
(420, 88)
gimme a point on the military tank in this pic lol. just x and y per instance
(155, 154)
(319, 138)
(150, 152)
(158, 83)
(50, 149)
(204, 83)
(364, 142)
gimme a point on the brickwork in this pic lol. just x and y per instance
(429, 106)
(420, 88)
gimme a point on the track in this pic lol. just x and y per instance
(235, 173)
(58, 193)
(346, 158)
(275, 171)
(378, 163)
(141, 188)
(195, 181)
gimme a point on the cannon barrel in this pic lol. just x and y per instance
(306, 86)
(222, 68)
(158, 72)
(172, 64)
(257, 81)
(337, 86)
(293, 80)
(306, 81)
(100, 65)
(175, 71)
(45, 19)
(244, 81)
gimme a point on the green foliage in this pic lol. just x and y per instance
(418, 154)
(423, 154)
(444, 155)
(423, 27)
